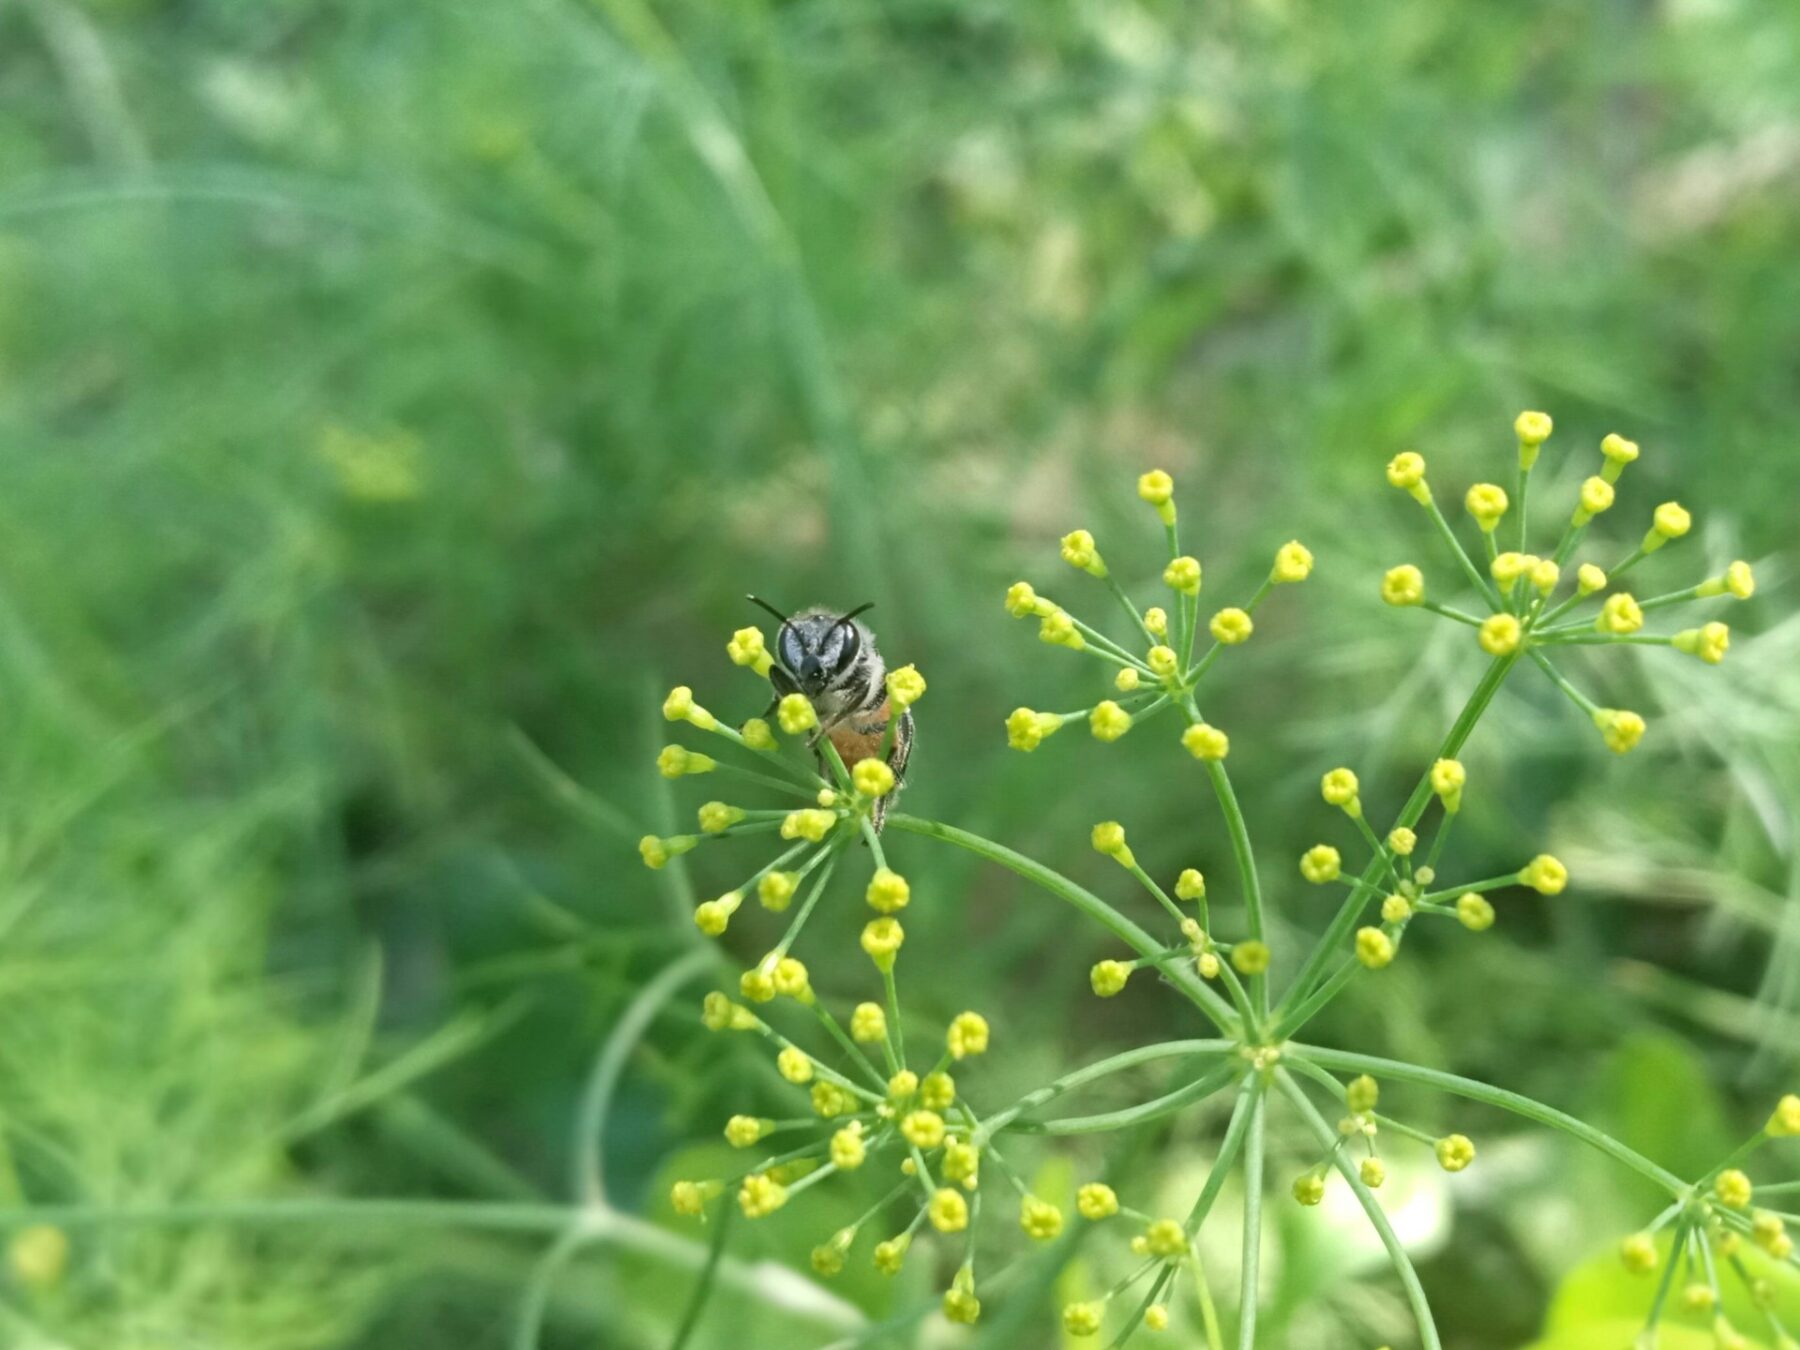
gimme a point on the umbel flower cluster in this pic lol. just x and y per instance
(866, 1105)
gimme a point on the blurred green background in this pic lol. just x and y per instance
(396, 398)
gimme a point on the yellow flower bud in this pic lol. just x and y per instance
(1620, 729)
(1183, 576)
(1508, 567)
(881, 939)
(923, 1129)
(1785, 1122)
(1406, 471)
(1190, 885)
(960, 1303)
(1059, 630)
(1078, 551)
(1589, 579)
(688, 1198)
(1022, 602)
(888, 891)
(676, 760)
(872, 777)
(717, 817)
(1403, 585)
(1596, 495)
(757, 735)
(1166, 1238)
(905, 687)
(1532, 429)
(1083, 1319)
(746, 1131)
(962, 1163)
(1309, 1188)
(1740, 580)
(1341, 788)
(776, 890)
(1231, 626)
(1670, 521)
(890, 1255)
(948, 1211)
(746, 648)
(791, 979)
(1732, 1188)
(1476, 914)
(1293, 563)
(810, 823)
(1374, 948)
(1373, 1173)
(937, 1092)
(712, 916)
(795, 1064)
(1157, 488)
(1545, 574)
(1487, 502)
(761, 1195)
(1156, 1317)
(796, 714)
(1620, 614)
(1108, 977)
(1618, 452)
(1544, 874)
(679, 706)
(1157, 621)
(1251, 957)
(968, 1035)
(1402, 841)
(1500, 634)
(1096, 1200)
(1638, 1252)
(1163, 662)
(1126, 680)
(1447, 779)
(657, 852)
(868, 1024)
(1040, 1219)
(1206, 742)
(902, 1085)
(1108, 837)
(1026, 729)
(1709, 643)
(1321, 864)
(1455, 1152)
(1396, 909)
(1362, 1094)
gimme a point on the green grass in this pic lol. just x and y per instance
(394, 400)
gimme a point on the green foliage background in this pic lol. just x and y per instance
(394, 399)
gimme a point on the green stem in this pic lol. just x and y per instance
(1088, 1073)
(1179, 972)
(1348, 1062)
(1154, 1109)
(1480, 582)
(1581, 700)
(1253, 1189)
(1403, 1267)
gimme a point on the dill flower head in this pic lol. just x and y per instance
(675, 760)
(1183, 576)
(1500, 634)
(1231, 626)
(968, 1035)
(1619, 728)
(1732, 1187)
(679, 706)
(1455, 1152)
(1078, 551)
(1447, 780)
(796, 714)
(1250, 957)
(1784, 1123)
(747, 648)
(888, 891)
(1638, 1252)
(1157, 488)
(1709, 643)
(1040, 1219)
(1620, 614)
(1532, 429)
(872, 777)
(1022, 602)
(1096, 1200)
(1475, 912)
(761, 1195)
(1487, 502)
(1293, 563)
(948, 1211)
(1544, 874)
(1374, 948)
(1596, 496)
(1108, 977)
(1403, 585)
(881, 939)
(905, 686)
(1026, 728)
(1083, 1319)
(1321, 864)
(1206, 742)
(1309, 1188)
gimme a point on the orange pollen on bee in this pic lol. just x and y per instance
(859, 738)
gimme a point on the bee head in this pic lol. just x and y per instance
(818, 646)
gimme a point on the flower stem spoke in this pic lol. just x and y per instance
(1348, 1062)
(1253, 1188)
(1128, 1059)
(1403, 1267)
(1179, 972)
(1480, 582)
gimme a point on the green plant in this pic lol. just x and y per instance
(872, 1105)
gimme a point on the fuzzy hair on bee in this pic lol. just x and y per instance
(832, 660)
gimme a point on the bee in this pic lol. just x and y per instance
(832, 660)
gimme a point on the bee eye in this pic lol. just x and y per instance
(793, 652)
(848, 646)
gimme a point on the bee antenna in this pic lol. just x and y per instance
(758, 600)
(866, 605)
